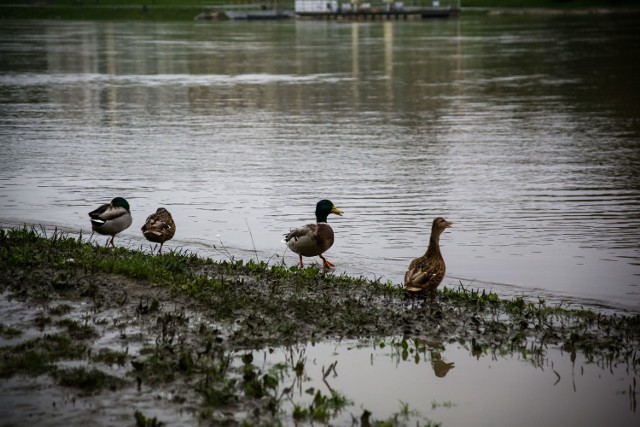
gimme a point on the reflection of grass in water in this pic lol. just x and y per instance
(142, 421)
(257, 305)
(322, 408)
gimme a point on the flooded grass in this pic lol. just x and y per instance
(188, 330)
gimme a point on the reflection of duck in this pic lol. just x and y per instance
(159, 227)
(426, 273)
(314, 239)
(111, 218)
(440, 367)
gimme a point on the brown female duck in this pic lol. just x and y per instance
(425, 273)
(159, 227)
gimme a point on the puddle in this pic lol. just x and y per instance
(452, 387)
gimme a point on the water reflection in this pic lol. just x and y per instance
(521, 130)
(415, 382)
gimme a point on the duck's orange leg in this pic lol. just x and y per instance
(325, 262)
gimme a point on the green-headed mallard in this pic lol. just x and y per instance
(159, 227)
(425, 273)
(111, 218)
(314, 239)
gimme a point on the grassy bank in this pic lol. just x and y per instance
(176, 10)
(184, 319)
(101, 10)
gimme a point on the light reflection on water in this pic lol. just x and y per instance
(529, 147)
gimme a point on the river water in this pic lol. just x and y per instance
(521, 130)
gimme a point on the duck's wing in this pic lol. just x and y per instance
(305, 231)
(108, 212)
(305, 240)
(159, 224)
(423, 275)
(97, 212)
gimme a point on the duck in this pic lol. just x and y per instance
(314, 239)
(111, 218)
(426, 272)
(159, 227)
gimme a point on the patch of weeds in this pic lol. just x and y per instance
(142, 421)
(216, 393)
(159, 367)
(60, 310)
(447, 404)
(406, 411)
(77, 330)
(9, 332)
(146, 307)
(42, 321)
(216, 388)
(185, 362)
(110, 357)
(255, 383)
(395, 421)
(88, 381)
(38, 356)
(27, 362)
(323, 407)
(300, 412)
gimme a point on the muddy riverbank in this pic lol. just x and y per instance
(105, 336)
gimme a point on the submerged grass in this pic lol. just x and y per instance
(251, 305)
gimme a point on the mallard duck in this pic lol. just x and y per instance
(426, 273)
(111, 218)
(314, 239)
(159, 227)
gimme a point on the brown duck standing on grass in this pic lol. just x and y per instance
(159, 227)
(111, 218)
(425, 273)
(314, 239)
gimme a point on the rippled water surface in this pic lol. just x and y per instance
(522, 131)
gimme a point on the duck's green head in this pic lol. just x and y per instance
(324, 208)
(120, 202)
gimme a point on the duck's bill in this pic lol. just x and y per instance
(336, 211)
(449, 224)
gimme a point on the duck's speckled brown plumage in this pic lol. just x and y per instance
(425, 273)
(314, 239)
(159, 227)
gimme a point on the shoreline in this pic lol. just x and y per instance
(503, 290)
